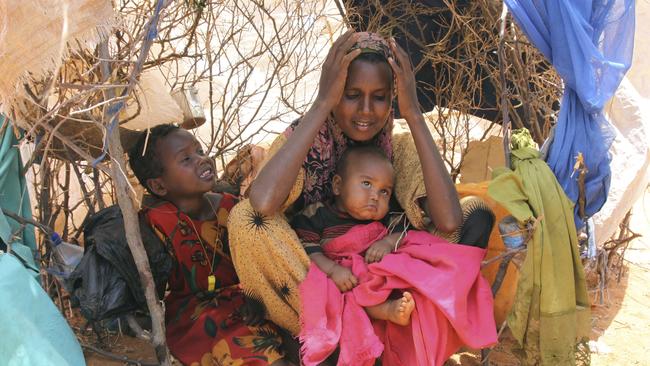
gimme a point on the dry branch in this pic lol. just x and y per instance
(125, 199)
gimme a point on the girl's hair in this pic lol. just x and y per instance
(143, 157)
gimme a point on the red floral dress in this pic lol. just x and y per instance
(202, 314)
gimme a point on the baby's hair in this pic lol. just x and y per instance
(358, 151)
(146, 164)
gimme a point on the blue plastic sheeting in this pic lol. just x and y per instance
(590, 45)
(14, 196)
(32, 330)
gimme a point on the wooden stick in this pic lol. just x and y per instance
(485, 352)
(132, 229)
(504, 86)
(114, 356)
(501, 274)
(509, 253)
(343, 15)
(25, 220)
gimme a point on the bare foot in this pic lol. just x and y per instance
(400, 309)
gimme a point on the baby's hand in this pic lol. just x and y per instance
(378, 250)
(343, 278)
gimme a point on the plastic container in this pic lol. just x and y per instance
(513, 238)
(65, 257)
(511, 232)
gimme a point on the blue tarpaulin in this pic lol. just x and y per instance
(32, 330)
(590, 45)
(15, 198)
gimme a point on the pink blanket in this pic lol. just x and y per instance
(453, 302)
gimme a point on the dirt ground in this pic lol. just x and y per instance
(620, 324)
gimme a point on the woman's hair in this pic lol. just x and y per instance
(143, 157)
(372, 57)
(375, 58)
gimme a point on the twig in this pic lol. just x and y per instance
(82, 185)
(343, 15)
(137, 329)
(117, 357)
(25, 220)
(485, 353)
(501, 273)
(98, 190)
(510, 253)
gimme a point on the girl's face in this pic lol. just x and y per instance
(366, 102)
(188, 172)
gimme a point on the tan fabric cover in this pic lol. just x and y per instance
(157, 107)
(34, 35)
(480, 159)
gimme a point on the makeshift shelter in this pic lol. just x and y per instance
(257, 72)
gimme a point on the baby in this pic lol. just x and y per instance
(362, 188)
(378, 281)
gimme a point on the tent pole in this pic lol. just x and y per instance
(343, 15)
(124, 189)
(504, 87)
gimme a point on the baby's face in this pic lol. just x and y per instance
(365, 189)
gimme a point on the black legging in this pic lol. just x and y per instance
(477, 228)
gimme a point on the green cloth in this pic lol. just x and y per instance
(550, 314)
(14, 196)
(521, 138)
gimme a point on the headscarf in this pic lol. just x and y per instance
(331, 142)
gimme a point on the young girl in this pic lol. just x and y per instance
(439, 292)
(203, 313)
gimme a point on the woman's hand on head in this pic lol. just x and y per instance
(335, 70)
(407, 97)
(273, 184)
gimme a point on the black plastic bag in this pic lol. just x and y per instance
(106, 283)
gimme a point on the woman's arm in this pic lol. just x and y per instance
(273, 184)
(442, 199)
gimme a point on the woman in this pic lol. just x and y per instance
(361, 75)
